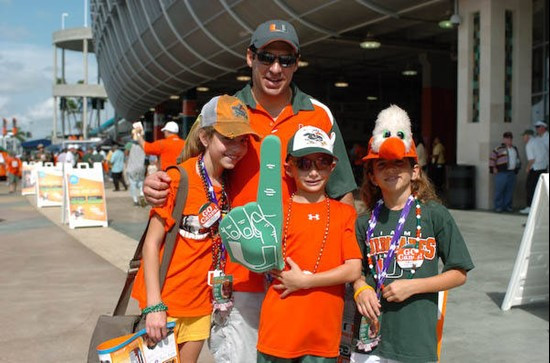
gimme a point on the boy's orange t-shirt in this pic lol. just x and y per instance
(309, 322)
(185, 292)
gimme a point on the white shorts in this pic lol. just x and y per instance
(235, 340)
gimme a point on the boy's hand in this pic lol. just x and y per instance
(155, 188)
(291, 280)
(399, 290)
(368, 304)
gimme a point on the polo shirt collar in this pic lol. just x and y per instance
(300, 101)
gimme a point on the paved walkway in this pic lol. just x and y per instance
(56, 281)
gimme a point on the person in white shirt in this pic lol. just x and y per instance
(537, 163)
(542, 133)
(70, 156)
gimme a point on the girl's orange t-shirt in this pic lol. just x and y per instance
(185, 292)
(309, 322)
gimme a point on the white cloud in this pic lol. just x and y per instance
(13, 33)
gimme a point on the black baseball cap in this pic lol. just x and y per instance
(275, 30)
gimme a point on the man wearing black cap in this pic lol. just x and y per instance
(275, 106)
(504, 163)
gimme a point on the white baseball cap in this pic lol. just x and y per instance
(541, 123)
(172, 127)
(309, 140)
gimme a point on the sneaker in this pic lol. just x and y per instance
(509, 210)
(498, 210)
(525, 210)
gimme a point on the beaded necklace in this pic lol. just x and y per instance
(218, 249)
(287, 222)
(382, 265)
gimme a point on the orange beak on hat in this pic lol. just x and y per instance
(392, 148)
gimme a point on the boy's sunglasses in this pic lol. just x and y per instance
(321, 163)
(286, 60)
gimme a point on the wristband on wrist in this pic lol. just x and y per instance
(154, 308)
(360, 290)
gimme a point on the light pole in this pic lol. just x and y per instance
(63, 20)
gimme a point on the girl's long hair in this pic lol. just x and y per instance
(193, 145)
(421, 186)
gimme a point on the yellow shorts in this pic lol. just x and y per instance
(191, 329)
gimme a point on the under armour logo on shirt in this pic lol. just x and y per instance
(313, 216)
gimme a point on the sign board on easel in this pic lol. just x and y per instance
(85, 203)
(28, 177)
(49, 185)
(529, 281)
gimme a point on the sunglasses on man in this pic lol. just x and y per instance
(320, 163)
(285, 60)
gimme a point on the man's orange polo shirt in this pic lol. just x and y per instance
(167, 149)
(243, 180)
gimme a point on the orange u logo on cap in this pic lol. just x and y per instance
(273, 28)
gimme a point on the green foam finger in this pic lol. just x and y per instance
(252, 234)
(270, 184)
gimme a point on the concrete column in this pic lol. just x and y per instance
(475, 140)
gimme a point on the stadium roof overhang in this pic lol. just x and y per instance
(149, 50)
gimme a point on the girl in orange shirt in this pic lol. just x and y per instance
(301, 316)
(216, 142)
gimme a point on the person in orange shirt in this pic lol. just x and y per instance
(13, 168)
(168, 149)
(322, 254)
(217, 142)
(275, 106)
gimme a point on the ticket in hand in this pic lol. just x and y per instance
(137, 125)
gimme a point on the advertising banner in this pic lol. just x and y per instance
(28, 178)
(49, 185)
(85, 196)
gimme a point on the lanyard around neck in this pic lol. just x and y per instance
(381, 273)
(209, 186)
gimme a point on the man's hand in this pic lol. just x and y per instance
(155, 188)
(252, 234)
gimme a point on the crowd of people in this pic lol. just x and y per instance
(505, 163)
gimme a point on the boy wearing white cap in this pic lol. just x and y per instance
(321, 255)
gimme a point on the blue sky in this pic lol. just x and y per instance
(26, 60)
